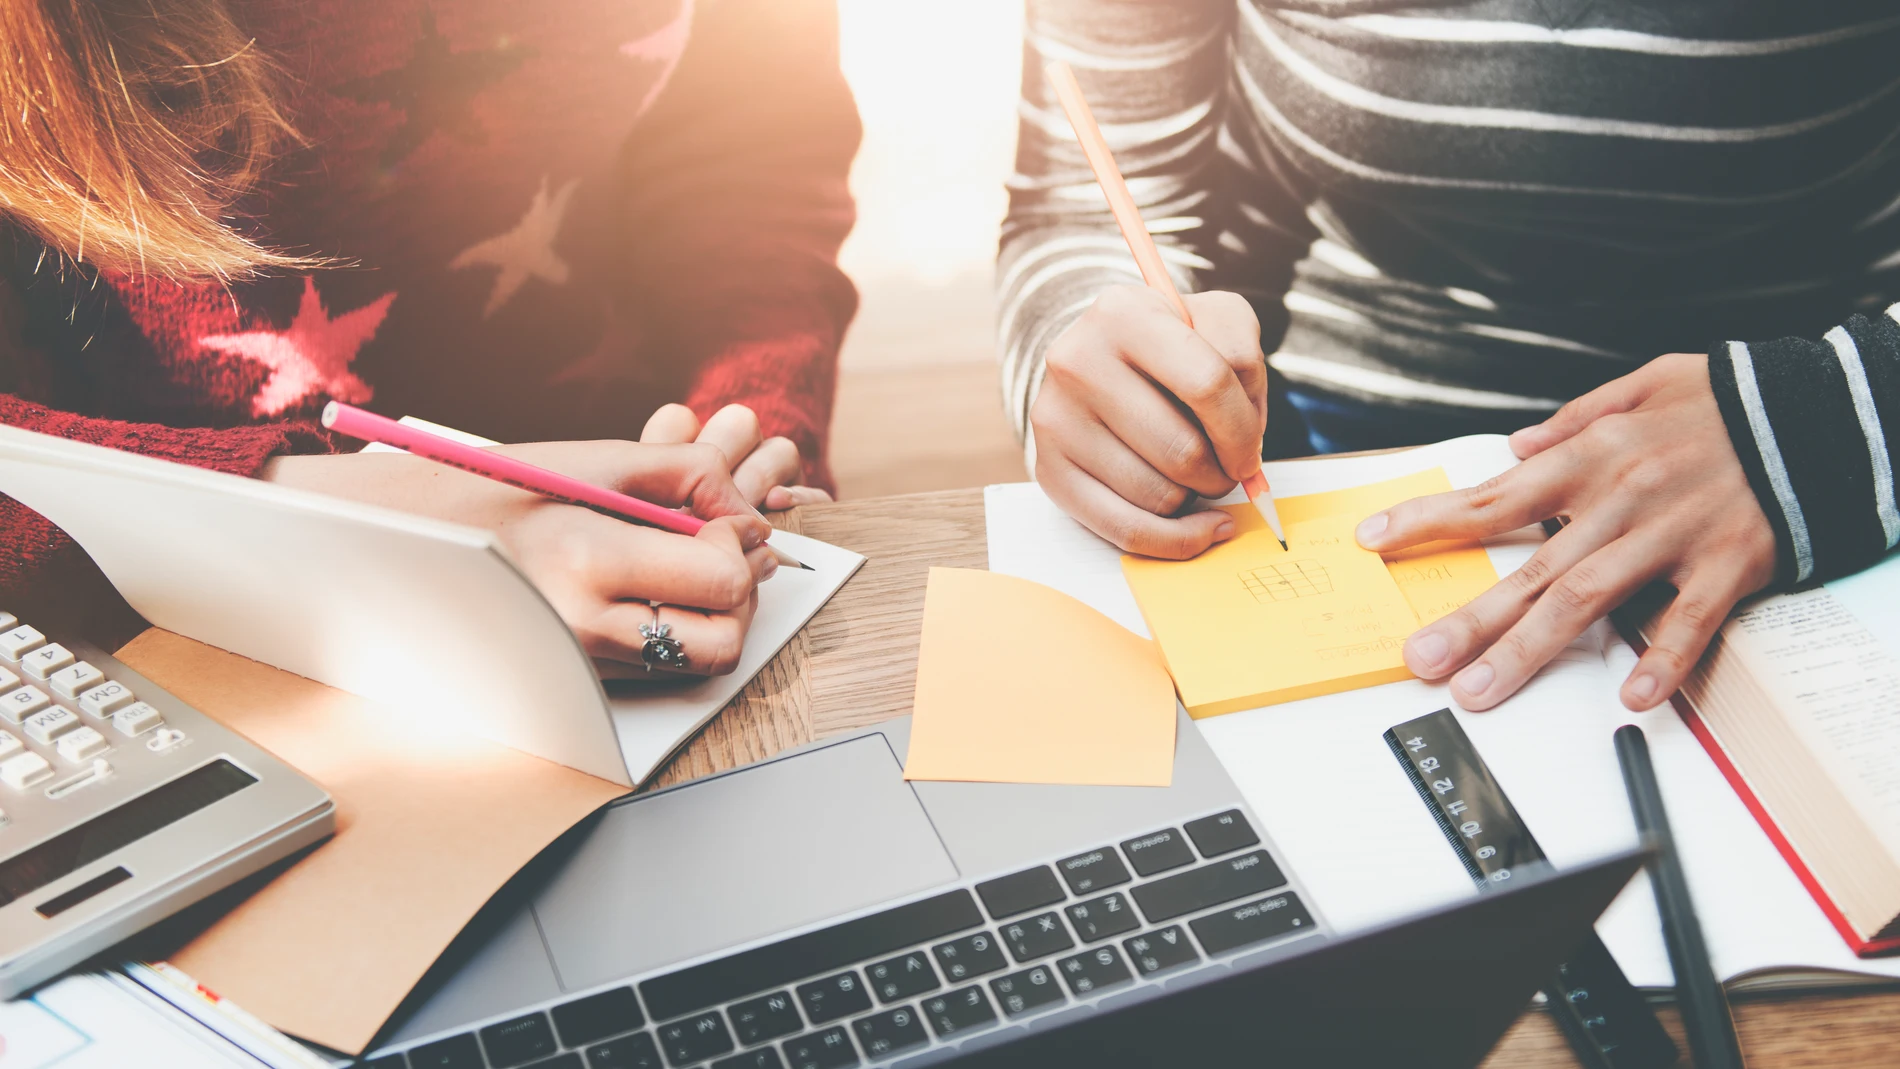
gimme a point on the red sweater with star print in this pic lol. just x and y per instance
(549, 219)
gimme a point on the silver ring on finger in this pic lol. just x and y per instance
(661, 649)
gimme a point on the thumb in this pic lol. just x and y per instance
(1617, 395)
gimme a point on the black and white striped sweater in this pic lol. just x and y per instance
(1462, 215)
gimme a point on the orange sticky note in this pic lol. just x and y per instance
(1248, 623)
(1436, 577)
(1018, 683)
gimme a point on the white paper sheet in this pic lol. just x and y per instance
(1340, 807)
(106, 1020)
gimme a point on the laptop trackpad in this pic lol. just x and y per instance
(737, 858)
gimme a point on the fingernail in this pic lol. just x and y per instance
(1476, 679)
(752, 538)
(1431, 648)
(1643, 689)
(1371, 528)
(1224, 529)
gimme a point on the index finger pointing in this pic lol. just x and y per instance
(1529, 493)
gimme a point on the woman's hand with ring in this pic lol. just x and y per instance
(601, 574)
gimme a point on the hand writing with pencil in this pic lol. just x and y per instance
(1139, 412)
(1643, 471)
(599, 572)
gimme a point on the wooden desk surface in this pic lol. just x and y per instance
(855, 664)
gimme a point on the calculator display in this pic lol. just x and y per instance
(78, 847)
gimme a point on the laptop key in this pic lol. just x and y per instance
(1158, 852)
(1036, 937)
(695, 1039)
(1251, 923)
(523, 1039)
(1093, 970)
(1159, 951)
(766, 1017)
(890, 1032)
(636, 1051)
(1209, 885)
(834, 997)
(570, 1060)
(584, 1020)
(1222, 833)
(1093, 871)
(829, 1049)
(1099, 918)
(1020, 992)
(900, 978)
(387, 1061)
(763, 1058)
(959, 1011)
(1020, 892)
(969, 957)
(455, 1052)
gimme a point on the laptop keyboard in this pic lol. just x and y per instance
(889, 985)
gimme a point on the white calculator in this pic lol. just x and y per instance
(120, 805)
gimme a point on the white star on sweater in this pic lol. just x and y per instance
(525, 251)
(312, 355)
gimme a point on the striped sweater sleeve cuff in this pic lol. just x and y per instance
(1809, 421)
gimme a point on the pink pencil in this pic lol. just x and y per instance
(370, 427)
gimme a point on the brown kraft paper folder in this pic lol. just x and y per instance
(430, 823)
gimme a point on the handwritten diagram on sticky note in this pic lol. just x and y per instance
(1437, 577)
(1018, 683)
(1248, 623)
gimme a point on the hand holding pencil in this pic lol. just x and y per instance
(1150, 398)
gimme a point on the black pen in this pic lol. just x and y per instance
(1705, 1011)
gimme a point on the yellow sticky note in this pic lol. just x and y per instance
(1248, 623)
(1018, 683)
(1436, 577)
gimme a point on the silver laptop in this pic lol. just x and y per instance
(816, 911)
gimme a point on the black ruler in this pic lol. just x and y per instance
(1608, 1023)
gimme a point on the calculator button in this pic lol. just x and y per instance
(138, 718)
(105, 698)
(20, 640)
(71, 681)
(8, 621)
(46, 660)
(49, 724)
(82, 744)
(8, 681)
(23, 702)
(24, 771)
(10, 745)
(1222, 833)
